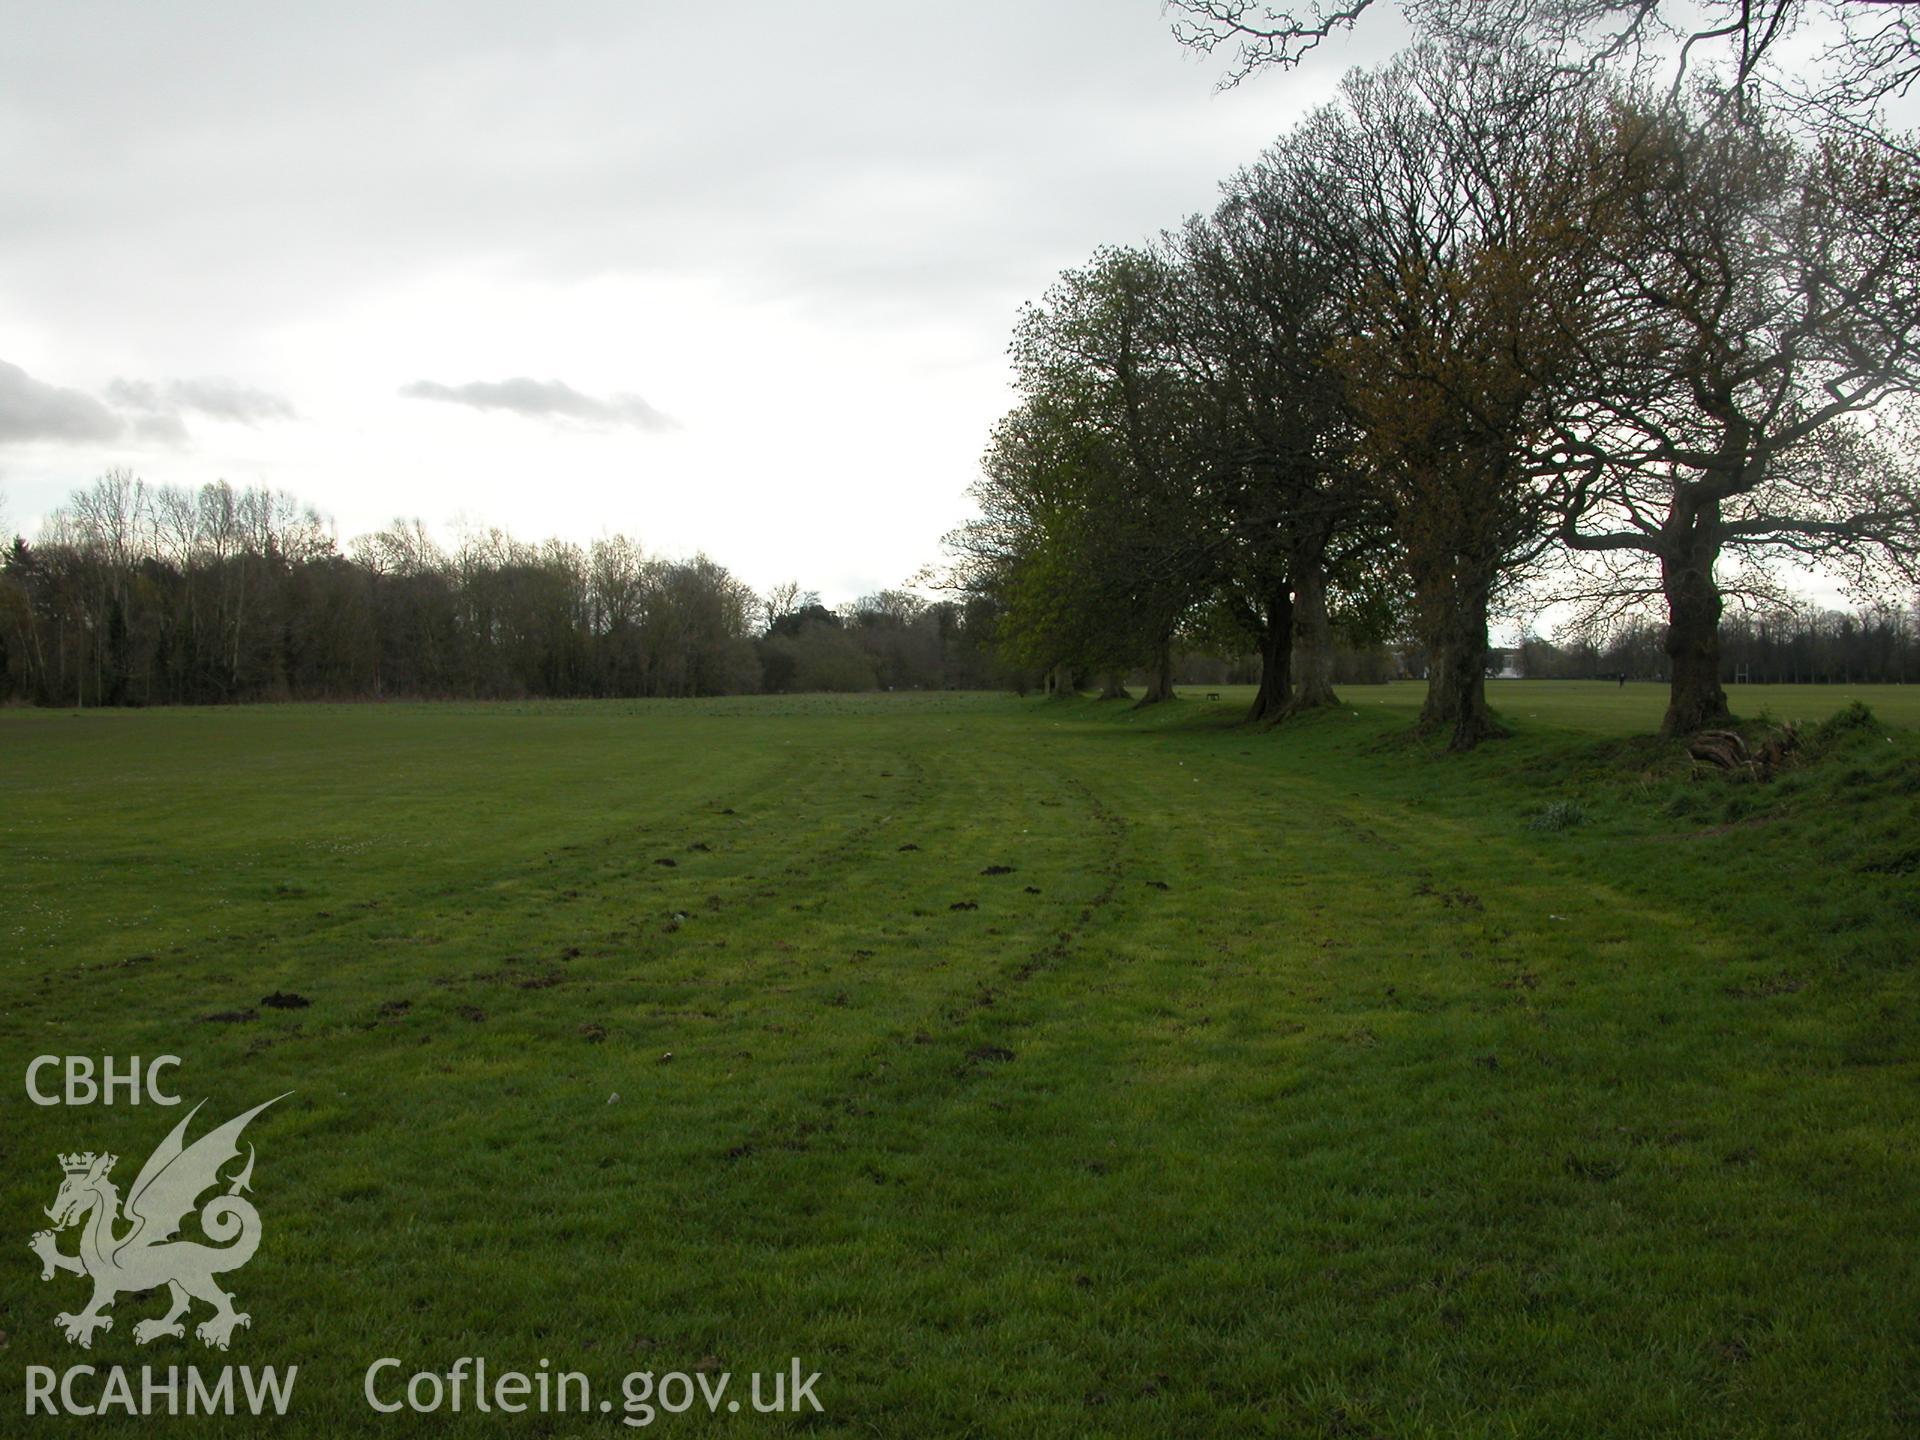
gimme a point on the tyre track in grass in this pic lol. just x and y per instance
(449, 878)
(922, 1057)
(405, 937)
(558, 958)
(763, 837)
(1018, 985)
(535, 919)
(755, 995)
(790, 932)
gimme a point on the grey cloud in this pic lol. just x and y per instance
(32, 409)
(164, 428)
(550, 399)
(142, 411)
(215, 398)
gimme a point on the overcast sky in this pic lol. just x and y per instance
(728, 278)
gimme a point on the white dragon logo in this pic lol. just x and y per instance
(146, 1256)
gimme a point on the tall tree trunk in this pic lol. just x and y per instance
(239, 619)
(1115, 687)
(1276, 657)
(1313, 635)
(1457, 671)
(1695, 700)
(1160, 673)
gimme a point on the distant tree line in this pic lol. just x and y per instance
(147, 595)
(1876, 646)
(1481, 325)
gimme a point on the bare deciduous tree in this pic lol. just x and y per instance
(1751, 369)
(789, 597)
(1874, 57)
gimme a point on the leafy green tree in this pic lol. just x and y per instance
(1124, 556)
(1258, 315)
(1443, 183)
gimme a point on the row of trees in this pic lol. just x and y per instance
(1480, 324)
(136, 594)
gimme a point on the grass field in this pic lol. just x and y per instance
(1024, 1067)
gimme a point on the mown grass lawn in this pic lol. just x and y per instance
(1025, 1067)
